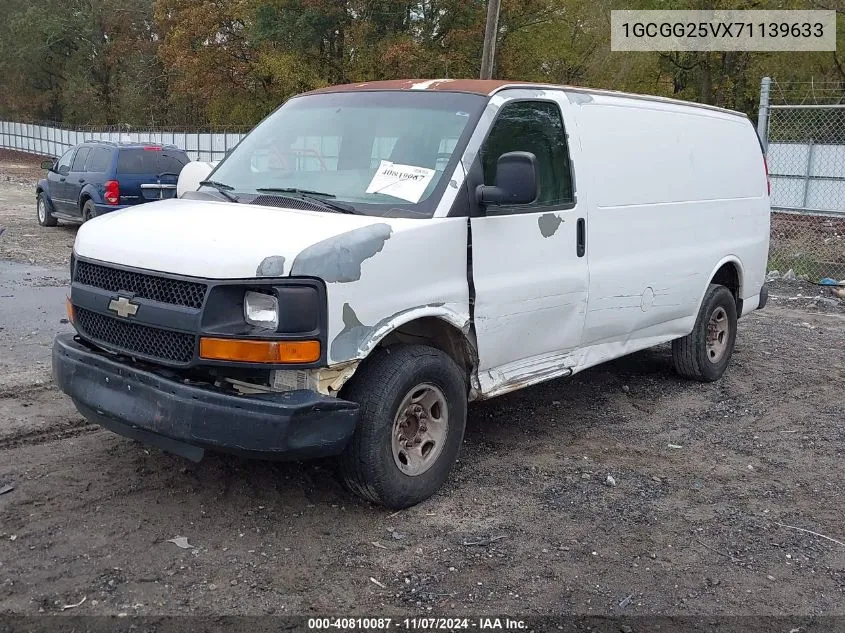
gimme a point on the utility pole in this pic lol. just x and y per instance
(490, 33)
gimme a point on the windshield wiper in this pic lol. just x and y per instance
(315, 196)
(223, 188)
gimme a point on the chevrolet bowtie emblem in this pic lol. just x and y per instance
(123, 307)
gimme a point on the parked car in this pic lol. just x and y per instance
(370, 258)
(96, 177)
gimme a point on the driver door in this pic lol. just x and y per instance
(528, 264)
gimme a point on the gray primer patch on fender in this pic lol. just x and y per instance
(579, 98)
(345, 345)
(549, 224)
(339, 258)
(273, 266)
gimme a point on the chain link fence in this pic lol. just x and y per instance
(54, 139)
(805, 151)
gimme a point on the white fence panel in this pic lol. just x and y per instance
(807, 176)
(52, 141)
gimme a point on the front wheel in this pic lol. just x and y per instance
(705, 352)
(413, 403)
(44, 213)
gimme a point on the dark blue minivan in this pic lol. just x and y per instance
(96, 177)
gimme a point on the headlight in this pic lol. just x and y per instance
(261, 310)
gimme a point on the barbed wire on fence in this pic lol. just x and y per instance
(807, 92)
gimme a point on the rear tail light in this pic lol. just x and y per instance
(152, 148)
(768, 179)
(112, 194)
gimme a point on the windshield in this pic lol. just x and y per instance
(380, 153)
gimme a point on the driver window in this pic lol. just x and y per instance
(63, 166)
(536, 127)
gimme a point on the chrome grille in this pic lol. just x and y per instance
(152, 287)
(136, 339)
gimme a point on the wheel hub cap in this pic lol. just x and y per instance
(420, 429)
(718, 334)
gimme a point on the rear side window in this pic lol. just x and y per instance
(79, 159)
(536, 127)
(148, 161)
(99, 160)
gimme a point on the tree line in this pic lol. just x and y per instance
(229, 62)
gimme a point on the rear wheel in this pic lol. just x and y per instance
(704, 354)
(411, 423)
(44, 212)
(88, 210)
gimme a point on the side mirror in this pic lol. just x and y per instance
(191, 176)
(517, 181)
(47, 164)
(64, 170)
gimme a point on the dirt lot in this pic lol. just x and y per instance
(23, 239)
(716, 491)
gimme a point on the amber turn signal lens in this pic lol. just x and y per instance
(248, 351)
(71, 312)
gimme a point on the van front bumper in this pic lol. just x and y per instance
(187, 419)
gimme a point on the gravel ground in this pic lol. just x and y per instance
(622, 491)
(24, 240)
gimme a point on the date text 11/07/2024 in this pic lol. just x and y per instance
(417, 624)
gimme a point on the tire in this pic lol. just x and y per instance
(700, 355)
(88, 210)
(43, 211)
(384, 463)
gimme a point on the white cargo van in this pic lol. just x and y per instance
(372, 257)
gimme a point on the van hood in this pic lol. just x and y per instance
(224, 240)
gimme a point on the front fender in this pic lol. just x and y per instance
(43, 186)
(382, 279)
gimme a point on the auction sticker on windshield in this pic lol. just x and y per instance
(407, 182)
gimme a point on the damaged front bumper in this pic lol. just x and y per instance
(187, 419)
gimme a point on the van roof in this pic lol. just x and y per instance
(489, 87)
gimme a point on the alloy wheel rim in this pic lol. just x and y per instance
(42, 212)
(420, 429)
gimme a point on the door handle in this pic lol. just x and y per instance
(62, 179)
(81, 180)
(581, 237)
